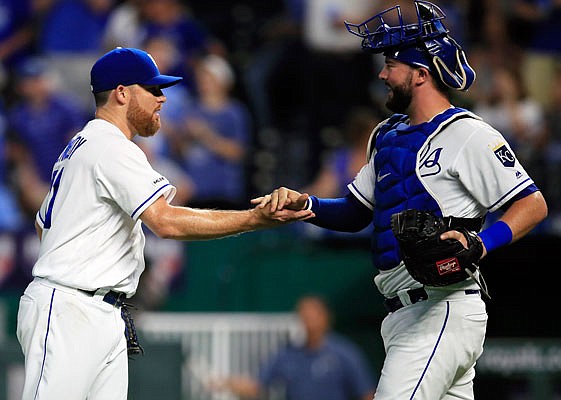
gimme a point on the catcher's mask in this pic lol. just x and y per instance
(419, 39)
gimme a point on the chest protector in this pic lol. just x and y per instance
(398, 186)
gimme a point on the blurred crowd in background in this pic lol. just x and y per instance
(274, 92)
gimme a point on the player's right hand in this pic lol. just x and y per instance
(270, 218)
(282, 198)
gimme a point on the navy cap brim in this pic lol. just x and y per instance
(162, 81)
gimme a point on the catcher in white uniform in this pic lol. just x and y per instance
(73, 324)
(430, 165)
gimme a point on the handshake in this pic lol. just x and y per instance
(282, 205)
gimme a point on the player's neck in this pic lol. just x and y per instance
(115, 119)
(425, 108)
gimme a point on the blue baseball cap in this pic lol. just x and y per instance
(127, 66)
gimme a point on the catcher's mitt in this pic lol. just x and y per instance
(430, 260)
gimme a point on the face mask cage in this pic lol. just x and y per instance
(394, 28)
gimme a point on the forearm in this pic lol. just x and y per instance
(345, 214)
(518, 220)
(185, 223)
(524, 214)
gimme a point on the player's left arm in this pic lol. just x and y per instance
(511, 189)
(523, 215)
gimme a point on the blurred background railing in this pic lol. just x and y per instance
(250, 283)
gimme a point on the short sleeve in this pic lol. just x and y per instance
(130, 181)
(363, 185)
(498, 177)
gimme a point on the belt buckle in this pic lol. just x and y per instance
(116, 299)
(120, 299)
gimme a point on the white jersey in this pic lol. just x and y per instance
(468, 168)
(92, 237)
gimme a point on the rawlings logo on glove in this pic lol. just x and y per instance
(448, 266)
(429, 259)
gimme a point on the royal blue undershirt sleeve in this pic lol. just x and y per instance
(343, 214)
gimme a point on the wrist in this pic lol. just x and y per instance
(497, 235)
(310, 203)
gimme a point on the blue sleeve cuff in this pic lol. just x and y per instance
(344, 214)
(497, 235)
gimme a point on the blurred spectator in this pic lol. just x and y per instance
(17, 19)
(124, 26)
(174, 20)
(10, 214)
(72, 38)
(341, 165)
(301, 83)
(337, 72)
(536, 25)
(274, 60)
(347, 155)
(491, 48)
(215, 138)
(326, 366)
(165, 264)
(307, 73)
(179, 97)
(516, 115)
(41, 122)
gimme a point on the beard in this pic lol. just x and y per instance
(400, 97)
(143, 122)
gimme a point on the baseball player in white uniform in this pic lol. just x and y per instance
(429, 156)
(70, 323)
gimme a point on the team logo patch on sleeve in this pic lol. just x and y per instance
(505, 156)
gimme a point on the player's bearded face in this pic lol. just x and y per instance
(145, 122)
(399, 97)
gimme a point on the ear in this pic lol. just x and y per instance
(122, 94)
(422, 75)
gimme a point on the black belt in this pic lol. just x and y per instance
(116, 299)
(415, 295)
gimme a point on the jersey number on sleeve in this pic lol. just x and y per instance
(55, 183)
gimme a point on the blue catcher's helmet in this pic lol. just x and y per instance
(422, 42)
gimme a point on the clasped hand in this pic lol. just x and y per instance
(284, 205)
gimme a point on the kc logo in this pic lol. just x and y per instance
(505, 156)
